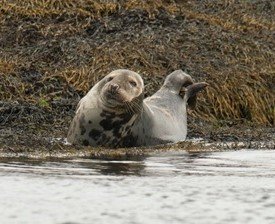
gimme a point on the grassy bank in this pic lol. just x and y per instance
(52, 52)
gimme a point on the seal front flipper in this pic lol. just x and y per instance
(191, 93)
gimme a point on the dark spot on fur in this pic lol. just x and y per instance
(82, 124)
(107, 114)
(101, 138)
(90, 121)
(104, 139)
(107, 139)
(82, 130)
(117, 133)
(106, 124)
(109, 124)
(125, 118)
(85, 142)
(117, 124)
(129, 140)
(114, 142)
(94, 134)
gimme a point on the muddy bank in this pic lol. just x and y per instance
(58, 150)
(43, 145)
(52, 53)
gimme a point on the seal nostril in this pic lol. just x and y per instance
(114, 87)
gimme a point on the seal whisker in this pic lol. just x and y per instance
(136, 106)
(127, 107)
(130, 109)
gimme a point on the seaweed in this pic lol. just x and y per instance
(53, 52)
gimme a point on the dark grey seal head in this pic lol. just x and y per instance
(115, 114)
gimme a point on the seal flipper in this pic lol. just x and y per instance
(177, 80)
(191, 93)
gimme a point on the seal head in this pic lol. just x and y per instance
(121, 89)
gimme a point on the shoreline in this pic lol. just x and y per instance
(58, 150)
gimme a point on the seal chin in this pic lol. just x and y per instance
(111, 100)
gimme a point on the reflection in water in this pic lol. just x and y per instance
(135, 167)
(192, 188)
(76, 166)
(114, 167)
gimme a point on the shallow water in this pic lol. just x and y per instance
(226, 187)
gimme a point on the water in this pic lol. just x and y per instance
(226, 187)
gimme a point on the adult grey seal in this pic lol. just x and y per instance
(115, 114)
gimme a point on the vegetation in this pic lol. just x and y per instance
(53, 51)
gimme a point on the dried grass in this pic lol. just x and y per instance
(68, 45)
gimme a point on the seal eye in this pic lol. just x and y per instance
(109, 79)
(133, 83)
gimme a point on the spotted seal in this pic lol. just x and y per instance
(115, 114)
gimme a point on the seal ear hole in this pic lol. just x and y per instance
(133, 83)
(109, 79)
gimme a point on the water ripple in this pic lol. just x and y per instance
(221, 187)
